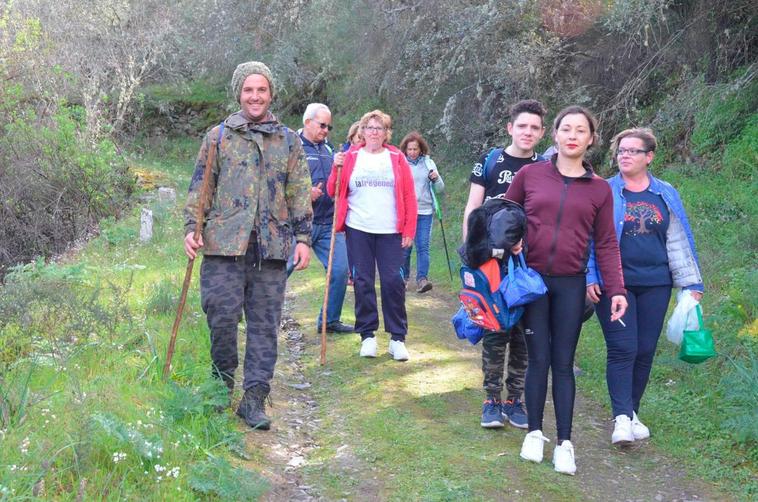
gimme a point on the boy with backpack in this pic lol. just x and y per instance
(490, 177)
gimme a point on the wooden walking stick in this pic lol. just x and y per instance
(329, 265)
(190, 263)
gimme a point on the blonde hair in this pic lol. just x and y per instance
(354, 135)
(382, 117)
(641, 133)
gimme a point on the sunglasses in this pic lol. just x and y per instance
(324, 126)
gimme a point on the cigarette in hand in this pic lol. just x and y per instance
(622, 322)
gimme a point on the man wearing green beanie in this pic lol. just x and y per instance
(260, 204)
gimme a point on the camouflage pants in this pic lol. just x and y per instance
(229, 286)
(493, 361)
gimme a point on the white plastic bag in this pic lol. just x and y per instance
(680, 319)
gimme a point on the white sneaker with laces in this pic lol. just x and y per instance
(639, 430)
(563, 458)
(398, 351)
(368, 347)
(622, 431)
(532, 447)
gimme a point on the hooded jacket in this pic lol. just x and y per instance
(260, 184)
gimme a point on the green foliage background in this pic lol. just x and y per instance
(80, 347)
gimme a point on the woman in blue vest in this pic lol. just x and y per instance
(657, 253)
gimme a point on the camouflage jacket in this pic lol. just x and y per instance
(260, 184)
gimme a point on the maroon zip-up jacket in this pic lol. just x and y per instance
(563, 215)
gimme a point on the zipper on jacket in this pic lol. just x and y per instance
(554, 243)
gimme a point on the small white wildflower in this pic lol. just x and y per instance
(14, 467)
(118, 457)
(159, 468)
(25, 445)
(158, 479)
(174, 472)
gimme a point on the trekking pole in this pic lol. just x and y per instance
(329, 266)
(438, 211)
(190, 263)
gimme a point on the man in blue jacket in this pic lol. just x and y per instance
(317, 122)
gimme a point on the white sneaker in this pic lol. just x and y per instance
(368, 347)
(622, 431)
(532, 447)
(639, 430)
(563, 458)
(398, 351)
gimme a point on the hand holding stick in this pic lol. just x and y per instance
(191, 243)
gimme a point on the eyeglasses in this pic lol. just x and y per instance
(324, 126)
(373, 129)
(630, 151)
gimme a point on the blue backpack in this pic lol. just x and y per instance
(483, 307)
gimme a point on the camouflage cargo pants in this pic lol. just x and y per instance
(494, 345)
(231, 286)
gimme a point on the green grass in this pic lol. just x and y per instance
(82, 345)
(85, 411)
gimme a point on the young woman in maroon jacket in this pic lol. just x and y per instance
(566, 205)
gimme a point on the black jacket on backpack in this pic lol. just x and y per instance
(496, 224)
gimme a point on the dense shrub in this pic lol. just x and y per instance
(54, 186)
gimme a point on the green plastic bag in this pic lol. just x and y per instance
(697, 345)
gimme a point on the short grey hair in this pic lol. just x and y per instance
(312, 109)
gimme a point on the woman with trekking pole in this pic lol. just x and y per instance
(426, 179)
(657, 253)
(566, 205)
(376, 207)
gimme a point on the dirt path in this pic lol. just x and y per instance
(641, 472)
(291, 444)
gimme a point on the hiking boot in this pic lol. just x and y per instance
(639, 430)
(492, 417)
(253, 406)
(368, 347)
(228, 380)
(531, 448)
(622, 431)
(563, 458)
(423, 285)
(229, 393)
(398, 351)
(513, 410)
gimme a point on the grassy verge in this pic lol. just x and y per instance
(84, 411)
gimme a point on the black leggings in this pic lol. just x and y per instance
(551, 329)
